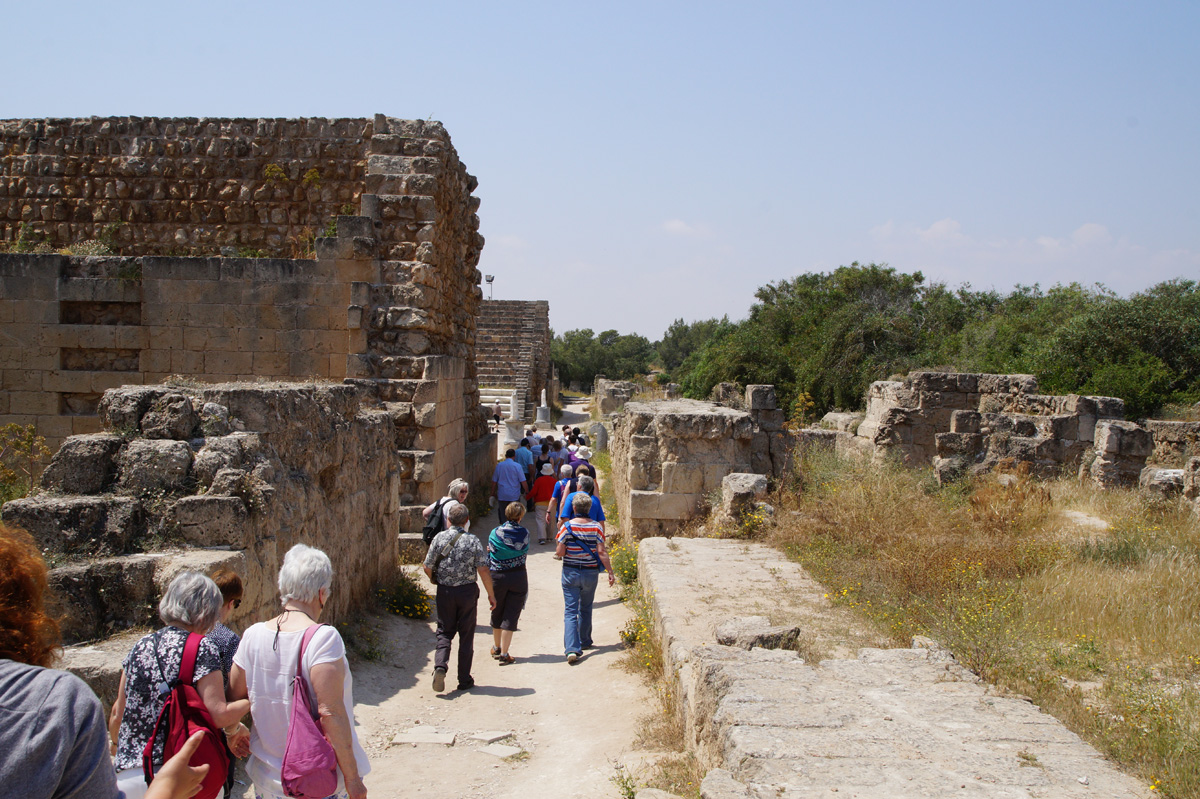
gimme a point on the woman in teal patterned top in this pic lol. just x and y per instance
(507, 548)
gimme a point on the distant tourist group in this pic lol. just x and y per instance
(176, 724)
(555, 482)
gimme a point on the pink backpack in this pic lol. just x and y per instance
(309, 763)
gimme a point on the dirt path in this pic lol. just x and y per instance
(572, 722)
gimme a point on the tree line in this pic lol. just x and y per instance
(827, 336)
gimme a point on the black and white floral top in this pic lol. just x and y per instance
(227, 643)
(459, 565)
(144, 671)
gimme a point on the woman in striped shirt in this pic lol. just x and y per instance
(581, 547)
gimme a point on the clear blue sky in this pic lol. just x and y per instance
(640, 162)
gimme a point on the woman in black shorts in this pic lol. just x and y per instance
(507, 547)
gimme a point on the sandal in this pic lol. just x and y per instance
(496, 652)
(506, 659)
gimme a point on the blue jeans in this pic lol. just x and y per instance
(579, 590)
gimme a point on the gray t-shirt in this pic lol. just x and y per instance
(459, 565)
(53, 741)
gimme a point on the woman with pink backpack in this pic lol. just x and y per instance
(288, 666)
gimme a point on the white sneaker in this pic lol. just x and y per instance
(571, 658)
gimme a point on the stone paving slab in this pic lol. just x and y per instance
(886, 723)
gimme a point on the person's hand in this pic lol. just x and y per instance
(491, 601)
(239, 741)
(356, 789)
(612, 578)
(178, 779)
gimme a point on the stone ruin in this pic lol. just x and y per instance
(670, 458)
(611, 395)
(958, 422)
(394, 283)
(512, 355)
(148, 366)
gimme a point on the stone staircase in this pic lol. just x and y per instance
(512, 351)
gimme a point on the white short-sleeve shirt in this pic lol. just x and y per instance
(270, 668)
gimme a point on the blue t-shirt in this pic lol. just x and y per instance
(596, 513)
(525, 457)
(508, 478)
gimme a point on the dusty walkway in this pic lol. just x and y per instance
(570, 724)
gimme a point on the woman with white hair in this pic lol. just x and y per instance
(456, 493)
(191, 604)
(265, 665)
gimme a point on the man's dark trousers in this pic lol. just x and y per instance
(456, 610)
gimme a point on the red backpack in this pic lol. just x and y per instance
(184, 714)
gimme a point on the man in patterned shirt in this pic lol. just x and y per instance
(457, 556)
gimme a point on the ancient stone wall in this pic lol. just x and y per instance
(1174, 442)
(512, 351)
(154, 186)
(670, 456)
(611, 395)
(224, 475)
(389, 302)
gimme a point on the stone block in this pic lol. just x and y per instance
(211, 521)
(87, 526)
(170, 416)
(83, 464)
(760, 453)
(95, 600)
(962, 444)
(644, 504)
(121, 409)
(965, 422)
(682, 478)
(771, 421)
(1167, 482)
(739, 492)
(154, 464)
(679, 506)
(761, 397)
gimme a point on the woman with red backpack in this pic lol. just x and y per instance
(190, 607)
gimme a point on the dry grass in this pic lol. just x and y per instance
(1099, 626)
(661, 730)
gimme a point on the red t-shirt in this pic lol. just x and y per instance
(543, 488)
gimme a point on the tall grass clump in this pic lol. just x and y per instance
(1098, 621)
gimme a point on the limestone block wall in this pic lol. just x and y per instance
(75, 327)
(512, 350)
(180, 185)
(390, 302)
(670, 456)
(1174, 442)
(611, 395)
(223, 475)
(906, 418)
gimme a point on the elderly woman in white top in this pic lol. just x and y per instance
(456, 493)
(265, 665)
(191, 604)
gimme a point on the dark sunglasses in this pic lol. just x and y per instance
(237, 603)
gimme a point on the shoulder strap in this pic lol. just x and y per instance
(584, 544)
(437, 561)
(187, 664)
(308, 636)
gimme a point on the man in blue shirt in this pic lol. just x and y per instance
(586, 486)
(508, 482)
(525, 458)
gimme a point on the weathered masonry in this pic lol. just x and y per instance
(388, 300)
(512, 353)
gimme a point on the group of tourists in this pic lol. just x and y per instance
(54, 741)
(557, 486)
